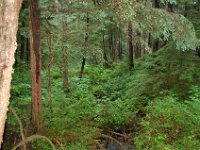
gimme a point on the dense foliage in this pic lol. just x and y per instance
(155, 106)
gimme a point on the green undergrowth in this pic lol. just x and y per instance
(165, 85)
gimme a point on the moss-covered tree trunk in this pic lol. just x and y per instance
(9, 11)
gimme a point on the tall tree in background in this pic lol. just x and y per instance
(85, 47)
(104, 56)
(23, 40)
(8, 29)
(130, 46)
(170, 7)
(36, 61)
(157, 41)
(65, 57)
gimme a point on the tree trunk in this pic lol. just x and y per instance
(9, 11)
(186, 9)
(120, 48)
(157, 3)
(22, 38)
(111, 46)
(23, 48)
(50, 60)
(36, 62)
(170, 7)
(150, 40)
(138, 46)
(156, 44)
(105, 59)
(82, 68)
(27, 50)
(65, 59)
(130, 46)
(85, 47)
(198, 51)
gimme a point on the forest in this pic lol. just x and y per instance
(102, 75)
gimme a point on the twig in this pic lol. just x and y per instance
(59, 143)
(111, 138)
(119, 134)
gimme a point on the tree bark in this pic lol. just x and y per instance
(111, 46)
(9, 12)
(22, 38)
(65, 59)
(156, 44)
(138, 46)
(130, 46)
(50, 60)
(85, 47)
(170, 7)
(186, 9)
(120, 49)
(105, 59)
(82, 67)
(36, 62)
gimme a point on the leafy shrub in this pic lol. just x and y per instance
(171, 124)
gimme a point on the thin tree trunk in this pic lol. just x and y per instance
(82, 67)
(27, 50)
(120, 49)
(186, 9)
(170, 7)
(150, 40)
(130, 46)
(65, 72)
(36, 62)
(85, 47)
(105, 59)
(9, 11)
(138, 47)
(156, 44)
(198, 51)
(65, 60)
(114, 48)
(23, 48)
(157, 3)
(23, 39)
(111, 46)
(50, 60)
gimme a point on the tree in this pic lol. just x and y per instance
(36, 61)
(8, 29)
(85, 46)
(130, 46)
(23, 19)
(157, 41)
(65, 58)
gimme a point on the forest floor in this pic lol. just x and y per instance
(114, 109)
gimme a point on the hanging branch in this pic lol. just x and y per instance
(20, 126)
(31, 138)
